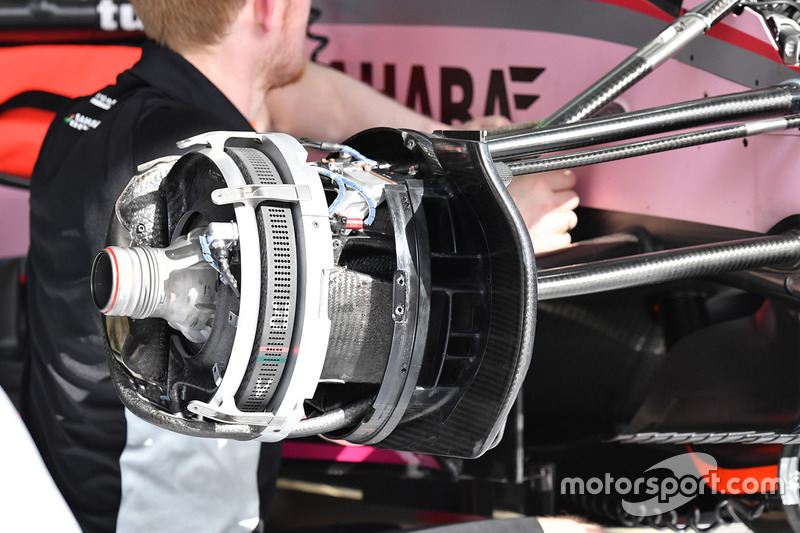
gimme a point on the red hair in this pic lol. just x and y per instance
(179, 24)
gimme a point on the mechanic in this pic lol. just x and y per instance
(212, 65)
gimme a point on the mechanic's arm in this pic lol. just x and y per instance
(330, 105)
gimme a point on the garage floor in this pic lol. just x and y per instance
(315, 508)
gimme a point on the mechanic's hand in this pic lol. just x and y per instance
(547, 202)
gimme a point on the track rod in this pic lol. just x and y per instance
(669, 42)
(761, 103)
(625, 151)
(669, 265)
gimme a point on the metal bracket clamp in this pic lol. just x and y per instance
(254, 419)
(252, 195)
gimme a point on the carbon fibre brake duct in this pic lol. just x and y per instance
(413, 332)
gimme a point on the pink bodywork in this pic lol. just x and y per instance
(727, 184)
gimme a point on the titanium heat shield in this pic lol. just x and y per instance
(258, 306)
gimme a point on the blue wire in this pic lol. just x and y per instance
(358, 155)
(341, 181)
(339, 195)
(337, 179)
(206, 249)
(366, 197)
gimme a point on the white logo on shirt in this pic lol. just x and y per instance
(81, 122)
(102, 101)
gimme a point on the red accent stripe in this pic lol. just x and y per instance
(317, 451)
(116, 281)
(354, 223)
(273, 349)
(731, 479)
(39, 36)
(720, 31)
(640, 6)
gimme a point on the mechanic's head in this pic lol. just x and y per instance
(179, 24)
(275, 29)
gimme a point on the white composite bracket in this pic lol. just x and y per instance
(315, 261)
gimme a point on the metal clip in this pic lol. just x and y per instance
(252, 195)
